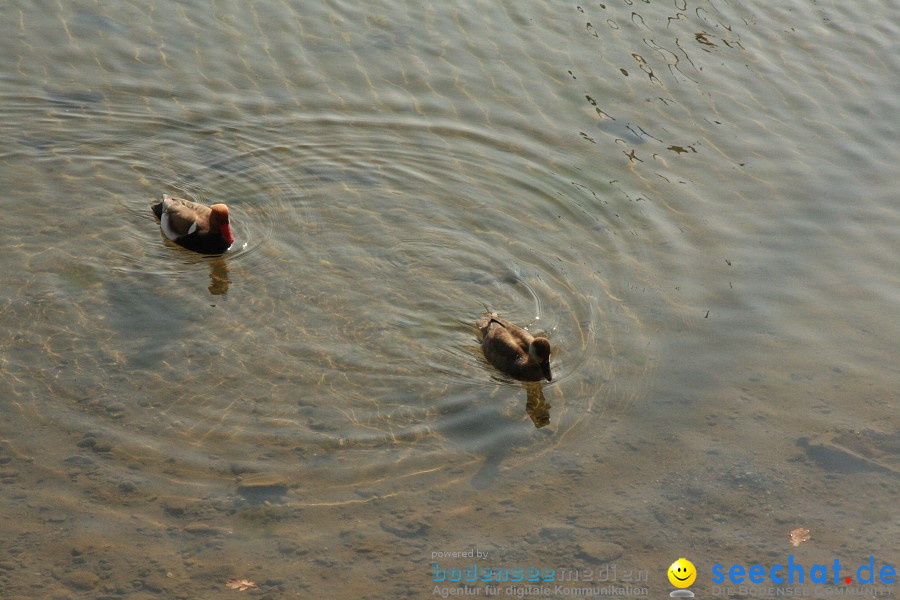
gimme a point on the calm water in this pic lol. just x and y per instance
(696, 201)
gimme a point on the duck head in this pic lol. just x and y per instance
(539, 352)
(219, 223)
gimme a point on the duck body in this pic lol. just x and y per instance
(513, 350)
(195, 226)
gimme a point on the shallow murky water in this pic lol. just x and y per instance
(695, 201)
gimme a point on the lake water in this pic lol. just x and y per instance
(696, 201)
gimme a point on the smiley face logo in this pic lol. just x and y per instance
(682, 573)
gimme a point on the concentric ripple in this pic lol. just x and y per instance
(340, 330)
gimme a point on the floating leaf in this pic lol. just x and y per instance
(799, 535)
(240, 584)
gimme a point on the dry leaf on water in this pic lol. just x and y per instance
(799, 535)
(240, 584)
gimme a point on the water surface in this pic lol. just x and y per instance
(695, 201)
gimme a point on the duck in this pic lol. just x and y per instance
(197, 227)
(513, 350)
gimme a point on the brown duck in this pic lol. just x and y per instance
(513, 350)
(197, 227)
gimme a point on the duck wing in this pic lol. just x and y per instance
(180, 218)
(522, 337)
(501, 346)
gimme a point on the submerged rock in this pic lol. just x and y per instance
(80, 580)
(601, 552)
(854, 452)
(259, 487)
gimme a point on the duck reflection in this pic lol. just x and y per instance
(218, 276)
(536, 407)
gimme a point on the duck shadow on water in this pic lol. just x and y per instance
(490, 431)
(538, 410)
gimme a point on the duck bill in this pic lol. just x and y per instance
(226, 233)
(545, 368)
